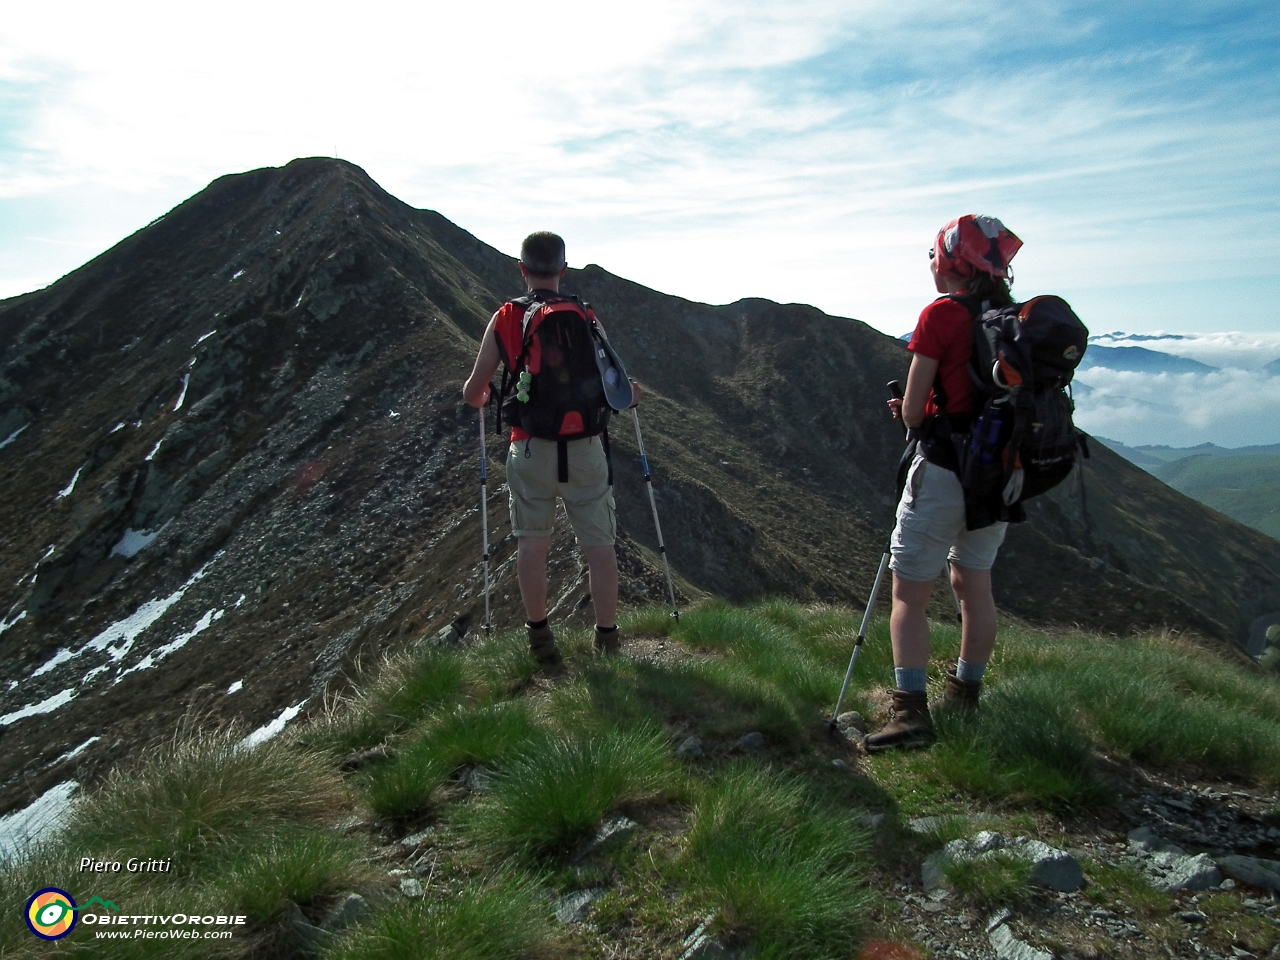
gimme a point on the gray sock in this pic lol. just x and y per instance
(910, 679)
(970, 672)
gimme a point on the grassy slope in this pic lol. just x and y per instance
(772, 842)
(1245, 488)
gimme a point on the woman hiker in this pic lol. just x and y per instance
(970, 264)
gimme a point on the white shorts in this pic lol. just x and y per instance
(931, 529)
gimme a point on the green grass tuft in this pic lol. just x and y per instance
(297, 866)
(782, 869)
(555, 790)
(403, 786)
(995, 878)
(189, 801)
(505, 917)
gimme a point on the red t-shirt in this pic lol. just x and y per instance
(944, 333)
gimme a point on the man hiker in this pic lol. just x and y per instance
(970, 264)
(558, 397)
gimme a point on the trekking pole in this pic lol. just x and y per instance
(895, 390)
(862, 635)
(484, 525)
(653, 504)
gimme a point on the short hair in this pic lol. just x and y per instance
(542, 254)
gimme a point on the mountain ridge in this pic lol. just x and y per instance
(266, 381)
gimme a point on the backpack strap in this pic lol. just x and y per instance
(562, 461)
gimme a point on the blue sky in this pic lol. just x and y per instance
(800, 151)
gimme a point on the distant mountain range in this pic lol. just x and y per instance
(1140, 360)
(1241, 482)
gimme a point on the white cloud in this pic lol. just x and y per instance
(1243, 351)
(1230, 407)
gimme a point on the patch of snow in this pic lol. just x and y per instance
(240, 601)
(47, 554)
(66, 491)
(205, 337)
(132, 541)
(13, 685)
(295, 306)
(88, 677)
(272, 729)
(235, 687)
(158, 654)
(6, 624)
(47, 705)
(118, 426)
(72, 754)
(154, 450)
(19, 830)
(237, 274)
(393, 414)
(59, 658)
(182, 397)
(124, 632)
(14, 436)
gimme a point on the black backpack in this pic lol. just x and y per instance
(1024, 357)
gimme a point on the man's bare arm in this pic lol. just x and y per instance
(476, 390)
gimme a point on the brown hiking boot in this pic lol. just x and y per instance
(909, 725)
(607, 641)
(959, 696)
(542, 644)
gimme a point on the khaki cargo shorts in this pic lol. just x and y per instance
(931, 529)
(533, 486)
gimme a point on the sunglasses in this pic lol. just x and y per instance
(931, 253)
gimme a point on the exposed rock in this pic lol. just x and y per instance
(691, 747)
(447, 636)
(850, 725)
(701, 945)
(576, 906)
(751, 742)
(476, 778)
(1050, 867)
(613, 832)
(1009, 947)
(411, 888)
(417, 839)
(305, 935)
(350, 910)
(1256, 872)
(1176, 871)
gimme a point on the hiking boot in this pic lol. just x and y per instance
(959, 697)
(909, 725)
(542, 644)
(607, 641)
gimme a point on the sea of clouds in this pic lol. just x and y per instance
(1236, 405)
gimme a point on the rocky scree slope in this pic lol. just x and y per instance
(236, 466)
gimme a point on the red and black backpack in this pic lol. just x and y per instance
(561, 396)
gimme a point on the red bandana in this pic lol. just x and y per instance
(971, 243)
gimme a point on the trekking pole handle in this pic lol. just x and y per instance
(895, 389)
